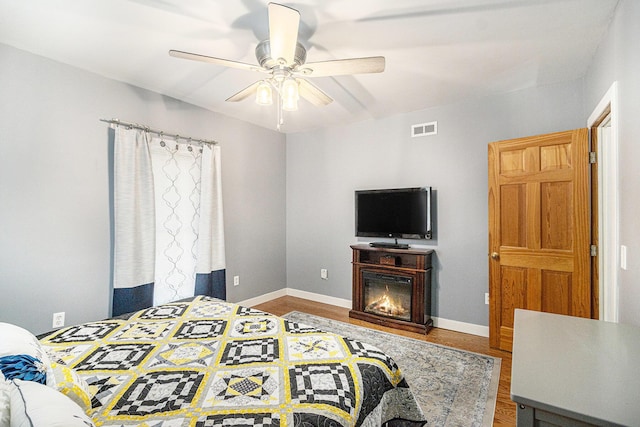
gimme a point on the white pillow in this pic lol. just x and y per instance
(5, 401)
(15, 340)
(36, 405)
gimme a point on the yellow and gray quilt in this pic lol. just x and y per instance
(211, 363)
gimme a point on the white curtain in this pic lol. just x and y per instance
(134, 208)
(169, 238)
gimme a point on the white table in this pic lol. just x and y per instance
(571, 371)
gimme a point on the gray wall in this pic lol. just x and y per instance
(324, 168)
(618, 59)
(54, 195)
(54, 189)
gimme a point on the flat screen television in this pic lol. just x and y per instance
(400, 213)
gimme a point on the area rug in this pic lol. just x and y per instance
(454, 387)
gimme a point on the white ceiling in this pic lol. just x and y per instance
(437, 51)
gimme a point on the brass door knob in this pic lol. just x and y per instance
(495, 255)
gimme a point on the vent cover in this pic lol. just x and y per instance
(424, 129)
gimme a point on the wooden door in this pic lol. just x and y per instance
(539, 229)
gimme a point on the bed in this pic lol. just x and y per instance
(207, 362)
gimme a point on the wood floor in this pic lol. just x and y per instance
(505, 414)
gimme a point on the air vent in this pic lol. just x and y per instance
(424, 129)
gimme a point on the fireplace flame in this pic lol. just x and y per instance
(387, 305)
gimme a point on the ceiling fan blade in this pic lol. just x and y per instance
(213, 60)
(244, 93)
(283, 32)
(311, 93)
(371, 64)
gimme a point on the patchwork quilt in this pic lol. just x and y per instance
(208, 362)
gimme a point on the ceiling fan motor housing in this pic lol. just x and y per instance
(263, 55)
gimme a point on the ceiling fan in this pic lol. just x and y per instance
(283, 59)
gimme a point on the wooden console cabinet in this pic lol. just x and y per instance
(412, 265)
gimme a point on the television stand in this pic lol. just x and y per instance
(389, 245)
(401, 277)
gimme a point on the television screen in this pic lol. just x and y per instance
(396, 213)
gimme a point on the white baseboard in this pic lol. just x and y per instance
(467, 328)
(438, 322)
(263, 298)
(339, 302)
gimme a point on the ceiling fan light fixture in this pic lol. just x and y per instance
(290, 95)
(283, 58)
(264, 94)
(290, 104)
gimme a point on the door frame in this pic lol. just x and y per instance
(605, 115)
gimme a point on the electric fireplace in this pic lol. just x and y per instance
(392, 287)
(387, 295)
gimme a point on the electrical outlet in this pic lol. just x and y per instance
(486, 298)
(58, 320)
(324, 274)
(236, 280)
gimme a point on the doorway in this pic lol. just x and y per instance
(603, 125)
(517, 273)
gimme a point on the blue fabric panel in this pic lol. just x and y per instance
(212, 284)
(23, 367)
(128, 300)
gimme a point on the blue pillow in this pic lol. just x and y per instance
(23, 367)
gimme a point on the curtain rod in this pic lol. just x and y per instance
(157, 132)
